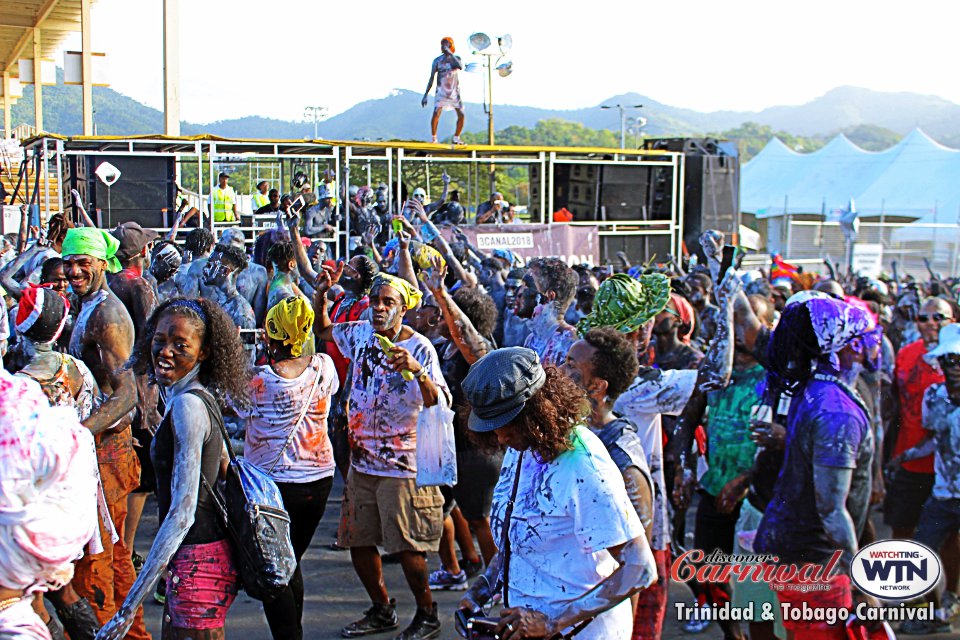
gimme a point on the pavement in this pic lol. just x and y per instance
(335, 597)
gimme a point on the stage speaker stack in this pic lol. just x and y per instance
(146, 186)
(712, 187)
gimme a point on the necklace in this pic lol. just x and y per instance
(9, 602)
(850, 391)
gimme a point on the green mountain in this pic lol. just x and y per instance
(869, 118)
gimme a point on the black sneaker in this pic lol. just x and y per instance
(426, 624)
(376, 619)
(138, 561)
(472, 568)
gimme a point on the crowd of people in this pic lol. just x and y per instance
(591, 407)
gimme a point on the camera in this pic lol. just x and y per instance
(475, 627)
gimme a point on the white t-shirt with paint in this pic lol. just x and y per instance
(568, 512)
(384, 407)
(653, 394)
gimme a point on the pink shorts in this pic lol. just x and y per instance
(201, 586)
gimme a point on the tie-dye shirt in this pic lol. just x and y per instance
(384, 407)
(277, 403)
(942, 417)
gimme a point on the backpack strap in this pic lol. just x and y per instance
(303, 414)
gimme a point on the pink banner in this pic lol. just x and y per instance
(574, 244)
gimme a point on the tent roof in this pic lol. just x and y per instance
(917, 177)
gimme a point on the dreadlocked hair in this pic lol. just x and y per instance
(281, 254)
(368, 270)
(226, 371)
(793, 350)
(57, 228)
(198, 241)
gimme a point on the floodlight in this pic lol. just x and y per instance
(479, 41)
(505, 42)
(505, 69)
(107, 173)
(474, 67)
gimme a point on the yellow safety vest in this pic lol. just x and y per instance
(223, 201)
(258, 200)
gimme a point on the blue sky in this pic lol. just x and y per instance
(272, 58)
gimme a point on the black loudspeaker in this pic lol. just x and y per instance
(624, 192)
(146, 186)
(711, 198)
(575, 186)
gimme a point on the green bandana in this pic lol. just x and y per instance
(625, 303)
(92, 242)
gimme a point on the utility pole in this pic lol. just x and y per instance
(623, 120)
(316, 114)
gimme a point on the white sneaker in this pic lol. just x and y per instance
(434, 140)
(457, 140)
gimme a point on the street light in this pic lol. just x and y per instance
(316, 114)
(483, 45)
(623, 124)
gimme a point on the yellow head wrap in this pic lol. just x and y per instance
(290, 320)
(410, 294)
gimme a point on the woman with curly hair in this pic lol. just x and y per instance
(572, 548)
(191, 349)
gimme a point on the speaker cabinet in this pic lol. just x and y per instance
(146, 186)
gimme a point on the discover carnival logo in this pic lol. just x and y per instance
(895, 569)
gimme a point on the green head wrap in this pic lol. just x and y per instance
(92, 242)
(625, 303)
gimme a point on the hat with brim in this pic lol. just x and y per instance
(626, 303)
(133, 238)
(948, 343)
(499, 385)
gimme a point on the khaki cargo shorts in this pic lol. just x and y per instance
(390, 512)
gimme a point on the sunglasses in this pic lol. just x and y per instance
(937, 317)
(951, 360)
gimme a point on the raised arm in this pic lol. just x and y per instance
(440, 244)
(468, 340)
(717, 365)
(191, 424)
(12, 286)
(405, 262)
(433, 206)
(322, 325)
(299, 251)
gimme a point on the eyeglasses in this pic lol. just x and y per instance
(937, 317)
(950, 360)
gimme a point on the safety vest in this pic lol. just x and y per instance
(223, 200)
(258, 200)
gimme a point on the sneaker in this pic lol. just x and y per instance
(443, 580)
(457, 140)
(696, 626)
(923, 627)
(426, 624)
(434, 140)
(376, 619)
(138, 561)
(472, 568)
(160, 594)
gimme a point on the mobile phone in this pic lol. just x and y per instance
(297, 204)
(729, 251)
(397, 225)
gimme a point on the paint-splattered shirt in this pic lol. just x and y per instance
(942, 417)
(552, 347)
(20, 622)
(384, 407)
(825, 427)
(730, 451)
(568, 512)
(276, 405)
(652, 394)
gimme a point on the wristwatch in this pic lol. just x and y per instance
(422, 374)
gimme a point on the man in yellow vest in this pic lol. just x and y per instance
(260, 197)
(223, 201)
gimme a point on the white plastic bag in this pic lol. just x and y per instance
(436, 447)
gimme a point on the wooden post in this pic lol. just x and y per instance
(37, 84)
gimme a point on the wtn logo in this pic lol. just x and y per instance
(901, 569)
(895, 569)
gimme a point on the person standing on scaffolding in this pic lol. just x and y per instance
(444, 69)
(260, 198)
(223, 201)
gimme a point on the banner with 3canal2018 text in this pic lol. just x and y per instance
(574, 244)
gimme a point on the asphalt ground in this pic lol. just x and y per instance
(334, 596)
